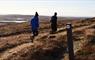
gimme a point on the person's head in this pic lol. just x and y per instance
(36, 14)
(55, 14)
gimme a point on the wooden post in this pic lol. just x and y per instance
(70, 41)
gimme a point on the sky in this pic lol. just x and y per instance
(81, 8)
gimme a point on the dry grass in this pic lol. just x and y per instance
(88, 48)
(45, 47)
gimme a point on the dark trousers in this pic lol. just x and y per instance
(54, 27)
(35, 32)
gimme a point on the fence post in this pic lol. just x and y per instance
(70, 41)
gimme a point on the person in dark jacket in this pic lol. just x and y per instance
(35, 24)
(54, 23)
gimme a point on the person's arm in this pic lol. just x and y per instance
(56, 18)
(37, 22)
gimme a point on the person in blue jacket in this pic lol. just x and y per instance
(35, 24)
(54, 23)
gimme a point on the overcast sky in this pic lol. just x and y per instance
(48, 7)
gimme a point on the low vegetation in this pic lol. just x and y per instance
(15, 41)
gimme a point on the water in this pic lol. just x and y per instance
(12, 21)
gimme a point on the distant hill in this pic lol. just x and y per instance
(28, 17)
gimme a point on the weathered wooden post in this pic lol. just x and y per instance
(70, 41)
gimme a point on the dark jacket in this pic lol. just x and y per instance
(35, 23)
(53, 20)
(54, 23)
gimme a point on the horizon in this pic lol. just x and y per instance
(79, 8)
(46, 15)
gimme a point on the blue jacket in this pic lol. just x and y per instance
(35, 23)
